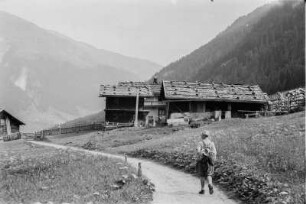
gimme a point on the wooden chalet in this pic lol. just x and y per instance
(121, 99)
(157, 102)
(8, 123)
(228, 100)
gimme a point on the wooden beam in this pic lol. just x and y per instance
(172, 99)
(167, 109)
(228, 113)
(136, 110)
(229, 106)
(8, 125)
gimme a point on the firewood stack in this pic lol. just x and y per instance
(288, 101)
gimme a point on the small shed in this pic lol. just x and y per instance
(227, 100)
(121, 99)
(8, 123)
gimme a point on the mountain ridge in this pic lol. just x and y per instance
(240, 53)
(48, 78)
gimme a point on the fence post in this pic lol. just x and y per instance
(139, 170)
(125, 158)
(60, 129)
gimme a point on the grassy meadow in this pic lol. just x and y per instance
(267, 151)
(112, 141)
(31, 173)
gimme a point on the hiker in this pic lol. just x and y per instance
(206, 151)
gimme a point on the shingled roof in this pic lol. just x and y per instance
(4, 112)
(213, 92)
(130, 89)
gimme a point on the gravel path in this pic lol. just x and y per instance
(172, 186)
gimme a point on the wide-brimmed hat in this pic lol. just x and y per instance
(205, 133)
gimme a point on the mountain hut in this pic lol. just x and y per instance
(212, 100)
(179, 99)
(121, 99)
(8, 123)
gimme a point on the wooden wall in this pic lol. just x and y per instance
(3, 127)
(14, 127)
(211, 106)
(3, 130)
(121, 116)
(122, 109)
(124, 103)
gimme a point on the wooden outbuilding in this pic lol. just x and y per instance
(121, 100)
(212, 99)
(177, 99)
(8, 123)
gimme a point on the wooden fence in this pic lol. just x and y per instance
(257, 114)
(74, 129)
(80, 128)
(112, 125)
(66, 130)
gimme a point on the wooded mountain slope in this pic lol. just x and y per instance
(265, 47)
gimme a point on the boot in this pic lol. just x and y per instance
(211, 189)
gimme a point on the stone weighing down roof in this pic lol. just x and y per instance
(130, 89)
(4, 112)
(182, 90)
(213, 92)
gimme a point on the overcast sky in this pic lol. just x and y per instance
(158, 30)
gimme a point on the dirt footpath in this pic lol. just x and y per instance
(172, 186)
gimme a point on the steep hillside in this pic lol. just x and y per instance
(265, 47)
(47, 78)
(89, 119)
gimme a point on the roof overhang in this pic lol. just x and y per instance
(12, 117)
(125, 96)
(213, 100)
(219, 92)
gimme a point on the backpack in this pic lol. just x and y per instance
(205, 155)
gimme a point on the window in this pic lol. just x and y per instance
(2, 122)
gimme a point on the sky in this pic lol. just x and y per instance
(161, 31)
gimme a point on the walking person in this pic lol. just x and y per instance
(207, 153)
